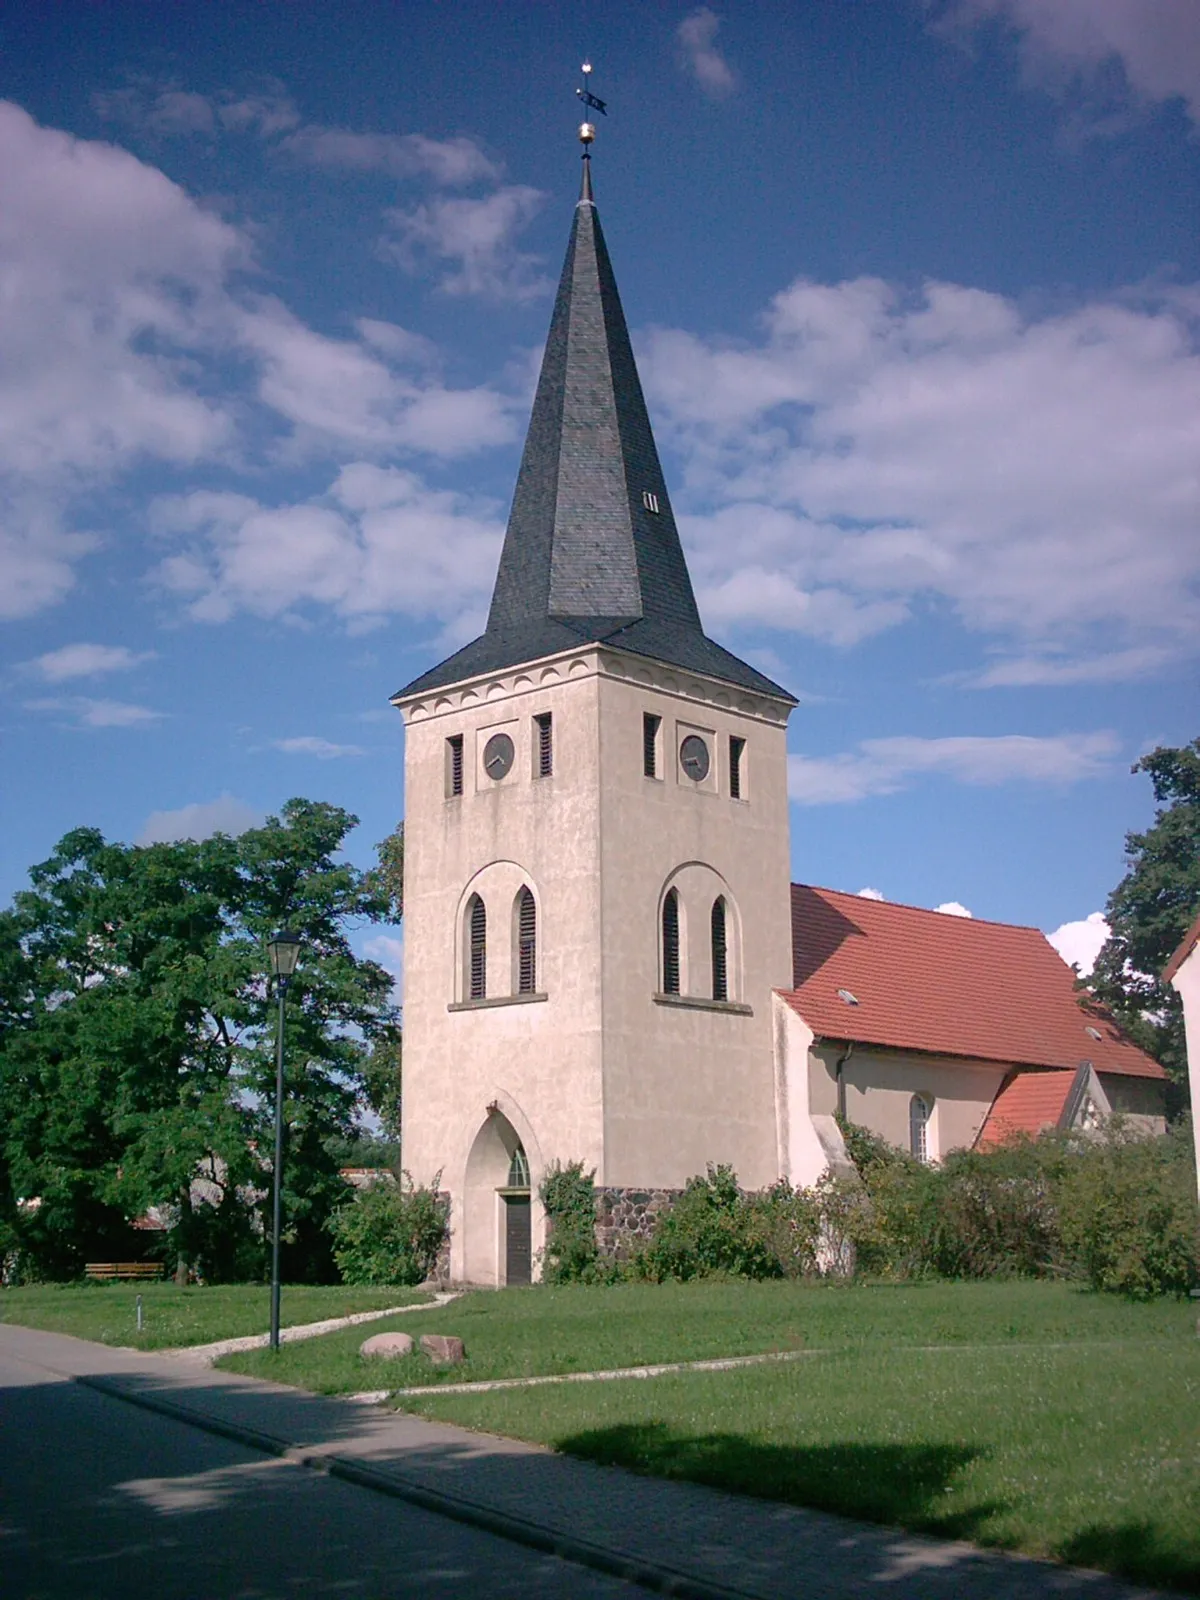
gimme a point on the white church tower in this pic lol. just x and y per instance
(597, 861)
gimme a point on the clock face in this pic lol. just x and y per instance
(693, 757)
(498, 756)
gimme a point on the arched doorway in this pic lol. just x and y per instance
(497, 1207)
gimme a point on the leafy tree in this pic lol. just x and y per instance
(1151, 909)
(137, 1042)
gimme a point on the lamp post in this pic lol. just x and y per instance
(285, 952)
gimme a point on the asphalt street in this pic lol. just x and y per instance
(99, 1498)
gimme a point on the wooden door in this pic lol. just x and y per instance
(518, 1252)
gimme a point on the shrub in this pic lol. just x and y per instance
(1127, 1209)
(712, 1228)
(389, 1233)
(569, 1196)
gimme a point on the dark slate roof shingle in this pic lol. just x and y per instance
(584, 559)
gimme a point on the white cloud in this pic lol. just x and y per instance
(86, 661)
(871, 894)
(885, 766)
(200, 821)
(1070, 44)
(130, 338)
(471, 243)
(343, 391)
(310, 745)
(1079, 943)
(378, 544)
(953, 908)
(1115, 666)
(447, 162)
(161, 110)
(873, 449)
(88, 713)
(699, 55)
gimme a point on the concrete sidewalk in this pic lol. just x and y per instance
(673, 1538)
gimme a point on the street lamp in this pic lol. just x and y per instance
(285, 952)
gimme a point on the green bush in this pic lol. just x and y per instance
(389, 1233)
(1127, 1209)
(569, 1196)
(711, 1229)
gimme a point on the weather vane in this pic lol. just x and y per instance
(587, 130)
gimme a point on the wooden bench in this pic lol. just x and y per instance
(109, 1271)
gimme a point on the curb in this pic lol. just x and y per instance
(648, 1575)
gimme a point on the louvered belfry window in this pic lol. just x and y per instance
(545, 745)
(720, 963)
(454, 765)
(670, 943)
(477, 933)
(526, 943)
(650, 727)
(737, 748)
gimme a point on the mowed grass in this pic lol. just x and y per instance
(1088, 1453)
(171, 1316)
(519, 1333)
(1032, 1416)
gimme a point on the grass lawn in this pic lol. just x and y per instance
(107, 1312)
(523, 1332)
(1046, 1419)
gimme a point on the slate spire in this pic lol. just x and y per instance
(591, 552)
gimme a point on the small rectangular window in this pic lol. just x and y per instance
(737, 748)
(454, 764)
(650, 726)
(650, 501)
(545, 744)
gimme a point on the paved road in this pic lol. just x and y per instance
(99, 1498)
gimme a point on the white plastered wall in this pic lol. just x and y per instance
(594, 1068)
(688, 1084)
(1186, 983)
(880, 1084)
(535, 1059)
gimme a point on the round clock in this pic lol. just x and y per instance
(498, 756)
(693, 757)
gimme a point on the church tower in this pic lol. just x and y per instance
(597, 867)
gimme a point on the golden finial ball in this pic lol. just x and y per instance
(587, 133)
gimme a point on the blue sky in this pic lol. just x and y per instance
(915, 290)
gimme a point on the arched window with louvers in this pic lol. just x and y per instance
(475, 986)
(525, 940)
(719, 927)
(670, 942)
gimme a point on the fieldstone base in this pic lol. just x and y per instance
(439, 1275)
(625, 1218)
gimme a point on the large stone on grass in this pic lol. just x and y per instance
(387, 1344)
(443, 1348)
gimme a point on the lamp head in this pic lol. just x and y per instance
(285, 952)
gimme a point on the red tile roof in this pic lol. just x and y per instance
(1027, 1103)
(945, 985)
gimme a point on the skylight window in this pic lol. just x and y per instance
(1094, 1033)
(848, 997)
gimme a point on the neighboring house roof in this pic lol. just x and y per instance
(1186, 945)
(592, 553)
(945, 985)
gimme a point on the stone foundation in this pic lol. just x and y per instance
(625, 1218)
(439, 1277)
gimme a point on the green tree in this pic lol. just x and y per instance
(1151, 909)
(137, 1042)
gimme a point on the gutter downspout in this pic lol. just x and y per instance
(839, 1075)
